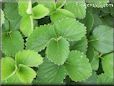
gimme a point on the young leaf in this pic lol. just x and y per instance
(12, 43)
(78, 66)
(39, 11)
(28, 58)
(26, 74)
(103, 36)
(57, 50)
(98, 3)
(26, 25)
(7, 67)
(40, 37)
(78, 7)
(70, 29)
(107, 64)
(50, 73)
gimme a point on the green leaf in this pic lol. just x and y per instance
(50, 4)
(50, 73)
(12, 17)
(98, 3)
(80, 45)
(89, 21)
(40, 37)
(29, 58)
(7, 67)
(60, 14)
(103, 36)
(70, 29)
(22, 7)
(8, 7)
(104, 79)
(26, 74)
(92, 79)
(76, 7)
(57, 50)
(14, 79)
(107, 64)
(12, 42)
(26, 25)
(39, 11)
(78, 66)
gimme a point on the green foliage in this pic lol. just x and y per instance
(74, 37)
(20, 67)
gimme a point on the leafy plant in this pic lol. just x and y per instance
(57, 42)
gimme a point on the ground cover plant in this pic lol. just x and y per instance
(57, 42)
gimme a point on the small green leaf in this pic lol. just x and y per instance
(70, 29)
(29, 58)
(107, 64)
(76, 7)
(2, 16)
(40, 37)
(78, 66)
(12, 42)
(26, 74)
(57, 50)
(50, 73)
(26, 25)
(7, 67)
(103, 36)
(39, 11)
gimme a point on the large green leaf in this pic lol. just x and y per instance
(98, 3)
(58, 50)
(50, 73)
(29, 58)
(12, 42)
(78, 66)
(78, 7)
(40, 37)
(7, 67)
(26, 25)
(103, 36)
(107, 63)
(70, 29)
(39, 11)
(26, 74)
